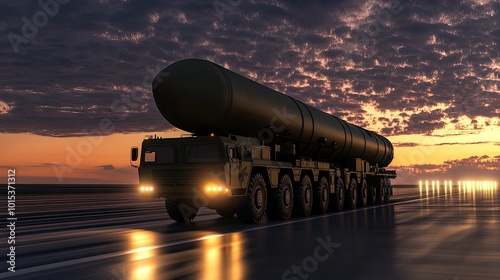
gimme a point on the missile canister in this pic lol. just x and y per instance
(202, 97)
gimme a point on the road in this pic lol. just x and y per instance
(111, 233)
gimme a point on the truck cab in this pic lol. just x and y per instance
(194, 171)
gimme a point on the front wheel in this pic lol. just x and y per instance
(180, 211)
(252, 207)
(226, 209)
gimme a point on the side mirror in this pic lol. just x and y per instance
(134, 155)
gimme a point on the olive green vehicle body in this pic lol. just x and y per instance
(254, 151)
(221, 176)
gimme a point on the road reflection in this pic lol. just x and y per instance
(215, 256)
(143, 255)
(465, 189)
(447, 236)
(222, 257)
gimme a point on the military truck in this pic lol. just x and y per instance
(254, 151)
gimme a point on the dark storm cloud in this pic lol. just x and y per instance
(415, 56)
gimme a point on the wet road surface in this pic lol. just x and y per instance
(114, 234)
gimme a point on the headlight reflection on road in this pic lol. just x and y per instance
(142, 254)
(222, 257)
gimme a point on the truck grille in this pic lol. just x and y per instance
(173, 178)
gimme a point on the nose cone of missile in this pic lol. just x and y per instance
(192, 95)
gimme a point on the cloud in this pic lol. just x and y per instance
(413, 144)
(480, 162)
(406, 144)
(474, 162)
(107, 167)
(431, 64)
(474, 167)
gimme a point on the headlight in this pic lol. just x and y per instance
(214, 189)
(146, 188)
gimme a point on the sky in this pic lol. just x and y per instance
(75, 83)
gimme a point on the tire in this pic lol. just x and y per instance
(303, 197)
(372, 194)
(226, 209)
(252, 207)
(352, 194)
(362, 194)
(381, 191)
(338, 198)
(388, 190)
(281, 200)
(321, 196)
(180, 211)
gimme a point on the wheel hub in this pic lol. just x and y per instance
(307, 195)
(324, 194)
(287, 197)
(259, 198)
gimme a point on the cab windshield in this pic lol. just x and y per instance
(159, 154)
(201, 153)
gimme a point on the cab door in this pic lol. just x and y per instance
(233, 168)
